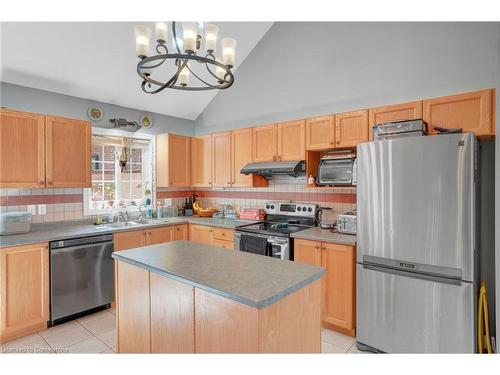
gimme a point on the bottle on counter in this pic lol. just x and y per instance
(189, 208)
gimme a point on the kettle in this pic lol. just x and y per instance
(325, 217)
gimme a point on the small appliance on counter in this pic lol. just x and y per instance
(346, 223)
(252, 214)
(15, 222)
(397, 129)
(326, 218)
(337, 168)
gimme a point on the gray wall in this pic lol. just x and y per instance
(302, 69)
(40, 101)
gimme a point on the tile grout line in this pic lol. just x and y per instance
(107, 346)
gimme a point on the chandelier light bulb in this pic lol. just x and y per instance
(211, 31)
(228, 51)
(184, 76)
(142, 36)
(189, 36)
(161, 32)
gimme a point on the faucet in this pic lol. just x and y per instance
(123, 215)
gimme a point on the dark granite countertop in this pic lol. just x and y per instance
(74, 229)
(254, 280)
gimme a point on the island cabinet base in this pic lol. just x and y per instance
(156, 314)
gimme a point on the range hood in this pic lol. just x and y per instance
(292, 168)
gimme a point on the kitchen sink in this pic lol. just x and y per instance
(122, 224)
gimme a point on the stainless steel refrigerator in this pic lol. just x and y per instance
(417, 244)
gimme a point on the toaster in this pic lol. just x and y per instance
(346, 223)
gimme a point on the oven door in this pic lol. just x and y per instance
(336, 171)
(279, 247)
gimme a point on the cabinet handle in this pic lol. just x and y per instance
(40, 183)
(317, 246)
(331, 143)
(171, 182)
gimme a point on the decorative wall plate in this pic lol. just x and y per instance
(146, 121)
(95, 113)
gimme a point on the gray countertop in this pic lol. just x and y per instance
(325, 235)
(254, 280)
(71, 229)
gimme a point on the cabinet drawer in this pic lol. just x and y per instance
(224, 244)
(224, 234)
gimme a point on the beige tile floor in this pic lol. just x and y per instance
(96, 333)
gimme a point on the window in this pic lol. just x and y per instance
(121, 175)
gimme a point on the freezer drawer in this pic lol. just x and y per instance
(397, 313)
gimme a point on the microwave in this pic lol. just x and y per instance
(337, 169)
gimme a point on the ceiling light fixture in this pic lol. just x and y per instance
(186, 58)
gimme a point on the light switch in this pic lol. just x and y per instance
(42, 209)
(32, 209)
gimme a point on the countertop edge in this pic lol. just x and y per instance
(259, 305)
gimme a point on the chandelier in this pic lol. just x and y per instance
(188, 68)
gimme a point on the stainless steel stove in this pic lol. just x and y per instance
(272, 236)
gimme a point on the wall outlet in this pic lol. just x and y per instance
(32, 209)
(42, 209)
(167, 202)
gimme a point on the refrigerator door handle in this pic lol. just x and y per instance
(415, 275)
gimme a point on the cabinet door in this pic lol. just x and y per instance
(159, 235)
(241, 155)
(180, 232)
(320, 133)
(339, 285)
(265, 143)
(68, 145)
(201, 158)
(172, 315)
(22, 149)
(473, 112)
(179, 160)
(396, 112)
(229, 245)
(292, 140)
(24, 290)
(307, 252)
(351, 128)
(129, 240)
(201, 234)
(221, 159)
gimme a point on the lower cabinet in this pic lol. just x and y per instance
(180, 232)
(146, 237)
(24, 290)
(339, 284)
(221, 237)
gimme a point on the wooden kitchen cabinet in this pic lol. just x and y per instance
(320, 133)
(130, 239)
(24, 290)
(68, 147)
(351, 128)
(160, 235)
(308, 252)
(241, 155)
(22, 147)
(201, 233)
(180, 232)
(472, 112)
(201, 161)
(395, 112)
(221, 159)
(292, 140)
(265, 143)
(339, 296)
(173, 160)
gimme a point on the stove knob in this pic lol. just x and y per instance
(309, 209)
(299, 209)
(267, 206)
(272, 207)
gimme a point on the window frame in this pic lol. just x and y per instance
(147, 165)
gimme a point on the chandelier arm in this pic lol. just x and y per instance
(206, 83)
(169, 83)
(159, 47)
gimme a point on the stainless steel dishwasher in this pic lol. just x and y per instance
(81, 276)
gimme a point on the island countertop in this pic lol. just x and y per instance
(254, 280)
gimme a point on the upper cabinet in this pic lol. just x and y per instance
(292, 140)
(320, 133)
(241, 155)
(396, 112)
(173, 160)
(68, 145)
(201, 161)
(473, 112)
(351, 128)
(40, 151)
(22, 146)
(221, 159)
(265, 143)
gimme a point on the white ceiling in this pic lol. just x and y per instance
(97, 61)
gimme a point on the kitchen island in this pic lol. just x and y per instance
(184, 297)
